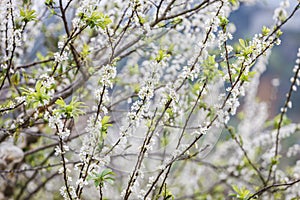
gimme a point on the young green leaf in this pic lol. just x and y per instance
(27, 15)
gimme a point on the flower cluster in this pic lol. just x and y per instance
(140, 108)
(280, 13)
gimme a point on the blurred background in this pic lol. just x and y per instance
(249, 19)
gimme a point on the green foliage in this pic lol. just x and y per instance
(195, 88)
(276, 120)
(164, 140)
(265, 31)
(133, 69)
(275, 160)
(142, 20)
(105, 124)
(15, 78)
(241, 193)
(245, 77)
(279, 33)
(170, 112)
(223, 22)
(162, 54)
(7, 104)
(233, 2)
(211, 113)
(103, 132)
(38, 97)
(49, 2)
(85, 51)
(166, 194)
(27, 15)
(161, 24)
(74, 109)
(100, 178)
(279, 196)
(26, 2)
(232, 130)
(210, 68)
(245, 49)
(136, 87)
(149, 124)
(97, 19)
(177, 20)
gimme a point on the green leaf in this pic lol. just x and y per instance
(85, 51)
(223, 22)
(105, 120)
(49, 2)
(279, 33)
(285, 121)
(275, 160)
(16, 78)
(244, 48)
(166, 194)
(38, 86)
(27, 15)
(162, 54)
(103, 132)
(74, 109)
(249, 75)
(241, 193)
(100, 178)
(233, 2)
(60, 102)
(265, 31)
(196, 88)
(96, 19)
(242, 43)
(177, 20)
(210, 68)
(38, 97)
(164, 140)
(142, 20)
